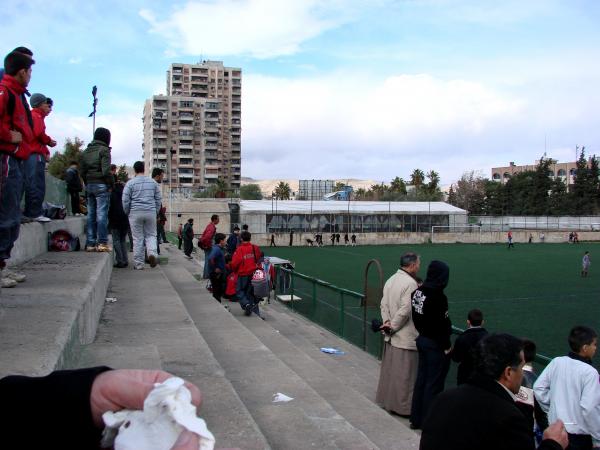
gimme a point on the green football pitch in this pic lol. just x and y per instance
(533, 290)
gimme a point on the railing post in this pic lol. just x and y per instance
(314, 300)
(292, 290)
(342, 314)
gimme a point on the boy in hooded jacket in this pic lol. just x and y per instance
(430, 317)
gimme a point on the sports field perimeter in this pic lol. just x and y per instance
(533, 290)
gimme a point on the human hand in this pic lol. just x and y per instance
(557, 432)
(52, 143)
(15, 137)
(127, 389)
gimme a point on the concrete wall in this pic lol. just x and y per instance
(200, 210)
(283, 239)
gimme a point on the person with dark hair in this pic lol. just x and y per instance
(585, 264)
(188, 236)
(568, 389)
(16, 140)
(291, 238)
(99, 181)
(400, 359)
(481, 414)
(74, 186)
(118, 223)
(35, 165)
(216, 267)
(244, 263)
(430, 316)
(233, 240)
(22, 50)
(161, 218)
(537, 419)
(179, 236)
(206, 241)
(141, 202)
(272, 243)
(462, 353)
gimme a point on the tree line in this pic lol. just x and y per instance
(531, 192)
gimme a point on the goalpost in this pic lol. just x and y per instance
(464, 229)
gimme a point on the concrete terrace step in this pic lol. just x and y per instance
(317, 370)
(257, 373)
(45, 320)
(149, 327)
(357, 368)
(33, 237)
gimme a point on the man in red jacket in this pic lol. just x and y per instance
(35, 165)
(205, 242)
(16, 136)
(244, 263)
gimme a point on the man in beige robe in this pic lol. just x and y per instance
(400, 357)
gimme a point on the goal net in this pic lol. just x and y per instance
(455, 233)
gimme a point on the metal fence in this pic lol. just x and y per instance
(545, 223)
(341, 311)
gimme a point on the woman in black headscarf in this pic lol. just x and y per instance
(430, 316)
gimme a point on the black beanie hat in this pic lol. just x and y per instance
(15, 61)
(102, 134)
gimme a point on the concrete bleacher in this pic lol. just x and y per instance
(164, 318)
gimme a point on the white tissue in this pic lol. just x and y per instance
(279, 397)
(168, 410)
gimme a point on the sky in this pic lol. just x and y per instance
(368, 89)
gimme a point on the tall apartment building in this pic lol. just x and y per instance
(194, 132)
(563, 171)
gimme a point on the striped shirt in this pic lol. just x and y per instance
(141, 194)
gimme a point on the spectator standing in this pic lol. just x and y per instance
(244, 263)
(161, 217)
(430, 316)
(353, 240)
(216, 267)
(188, 236)
(16, 137)
(233, 240)
(400, 359)
(481, 414)
(141, 202)
(74, 186)
(510, 240)
(462, 353)
(568, 389)
(291, 238)
(206, 241)
(96, 174)
(346, 239)
(118, 223)
(179, 236)
(585, 264)
(272, 243)
(35, 164)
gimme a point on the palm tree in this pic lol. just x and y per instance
(220, 188)
(398, 185)
(417, 178)
(283, 191)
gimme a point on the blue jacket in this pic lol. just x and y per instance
(216, 259)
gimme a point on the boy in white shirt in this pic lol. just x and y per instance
(569, 389)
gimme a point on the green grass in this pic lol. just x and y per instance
(534, 290)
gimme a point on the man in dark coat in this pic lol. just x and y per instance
(481, 414)
(188, 235)
(430, 316)
(462, 353)
(118, 223)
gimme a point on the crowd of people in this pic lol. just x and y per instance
(499, 401)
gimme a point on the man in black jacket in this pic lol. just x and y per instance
(462, 353)
(482, 414)
(74, 186)
(118, 223)
(430, 316)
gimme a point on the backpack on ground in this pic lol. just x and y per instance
(260, 283)
(63, 241)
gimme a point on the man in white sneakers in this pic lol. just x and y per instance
(141, 202)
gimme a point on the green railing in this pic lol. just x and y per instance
(339, 310)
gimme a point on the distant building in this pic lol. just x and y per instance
(563, 171)
(194, 132)
(314, 189)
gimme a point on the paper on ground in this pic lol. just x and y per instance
(168, 410)
(279, 397)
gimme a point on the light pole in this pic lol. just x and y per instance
(170, 166)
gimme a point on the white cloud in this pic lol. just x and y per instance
(77, 60)
(260, 28)
(126, 133)
(354, 126)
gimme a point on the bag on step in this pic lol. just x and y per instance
(260, 283)
(63, 241)
(54, 212)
